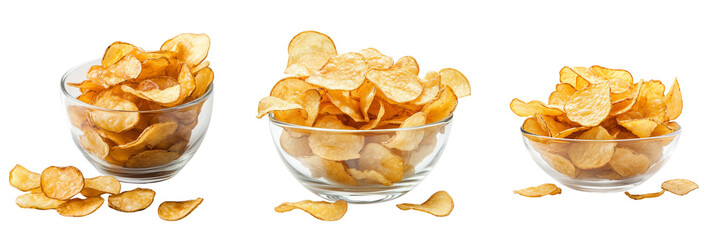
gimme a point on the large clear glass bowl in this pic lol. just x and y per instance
(127, 158)
(335, 180)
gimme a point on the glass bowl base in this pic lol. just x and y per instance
(608, 186)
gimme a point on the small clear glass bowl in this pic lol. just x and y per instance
(146, 161)
(333, 180)
(633, 161)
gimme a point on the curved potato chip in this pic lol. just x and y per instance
(288, 87)
(115, 52)
(640, 127)
(203, 78)
(165, 96)
(366, 93)
(77, 207)
(379, 158)
(191, 48)
(149, 138)
(376, 59)
(407, 140)
(431, 87)
(23, 179)
(442, 107)
(374, 123)
(297, 70)
(346, 104)
(114, 121)
(61, 183)
(529, 109)
(337, 171)
(397, 85)
(341, 72)
(407, 63)
(310, 49)
(132, 201)
(100, 185)
(87, 86)
(539, 191)
(128, 67)
(187, 85)
(151, 158)
(561, 164)
(269, 104)
(456, 81)
(674, 102)
(644, 196)
(332, 145)
(592, 154)
(295, 146)
(94, 144)
(174, 211)
(369, 177)
(679, 186)
(563, 92)
(440, 204)
(589, 106)
(628, 163)
(554, 127)
(37, 201)
(154, 67)
(321, 210)
(532, 126)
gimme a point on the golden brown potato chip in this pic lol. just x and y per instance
(37, 201)
(132, 201)
(336, 171)
(561, 164)
(407, 63)
(325, 211)
(23, 179)
(407, 140)
(288, 87)
(203, 78)
(431, 87)
(61, 183)
(549, 123)
(456, 81)
(310, 49)
(539, 191)
(442, 107)
(187, 85)
(100, 185)
(397, 85)
(592, 154)
(333, 145)
(440, 204)
(190, 48)
(149, 138)
(115, 52)
(628, 163)
(379, 158)
(366, 93)
(202, 65)
(532, 126)
(269, 104)
(589, 106)
(679, 186)
(151, 158)
(346, 104)
(645, 195)
(529, 109)
(341, 72)
(374, 123)
(77, 207)
(128, 67)
(295, 146)
(174, 211)
(119, 118)
(674, 103)
(563, 92)
(376, 59)
(369, 177)
(640, 127)
(154, 67)
(164, 96)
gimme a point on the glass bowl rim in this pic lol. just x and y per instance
(67, 95)
(673, 134)
(277, 122)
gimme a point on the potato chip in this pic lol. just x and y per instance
(674, 103)
(560, 163)
(346, 104)
(37, 201)
(529, 109)
(61, 183)
(115, 52)
(311, 50)
(456, 81)
(407, 63)
(440, 204)
(269, 104)
(645, 195)
(325, 211)
(164, 96)
(337, 171)
(366, 94)
(187, 85)
(297, 70)
(154, 67)
(563, 92)
(640, 127)
(431, 87)
(334, 145)
(379, 158)
(77, 207)
(679, 186)
(151, 158)
(532, 126)
(128, 67)
(442, 107)
(203, 78)
(174, 211)
(100, 185)
(341, 72)
(23, 179)
(288, 87)
(374, 123)
(408, 139)
(628, 163)
(369, 177)
(539, 191)
(553, 127)
(589, 106)
(376, 59)
(190, 48)
(295, 146)
(132, 201)
(592, 154)
(149, 138)
(397, 85)
(119, 118)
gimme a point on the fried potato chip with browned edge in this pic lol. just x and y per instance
(440, 204)
(23, 179)
(77, 207)
(38, 201)
(322, 210)
(310, 50)
(539, 191)
(442, 107)
(132, 201)
(645, 195)
(174, 211)
(679, 186)
(455, 80)
(100, 185)
(115, 52)
(61, 183)
(191, 48)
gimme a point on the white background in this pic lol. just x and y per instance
(509, 49)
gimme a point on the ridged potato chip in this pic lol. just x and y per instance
(61, 183)
(23, 179)
(440, 204)
(174, 211)
(100, 185)
(379, 158)
(77, 207)
(679, 186)
(309, 49)
(539, 191)
(341, 72)
(645, 195)
(397, 85)
(333, 145)
(38, 201)
(325, 211)
(190, 48)
(132, 201)
(590, 106)
(407, 140)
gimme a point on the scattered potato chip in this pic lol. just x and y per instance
(325, 211)
(644, 196)
(100, 185)
(132, 201)
(440, 204)
(23, 179)
(174, 211)
(77, 207)
(37, 201)
(539, 191)
(679, 186)
(61, 183)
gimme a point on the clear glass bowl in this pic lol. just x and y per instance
(155, 158)
(633, 161)
(335, 180)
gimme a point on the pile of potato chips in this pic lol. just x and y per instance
(56, 187)
(599, 103)
(129, 80)
(359, 91)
